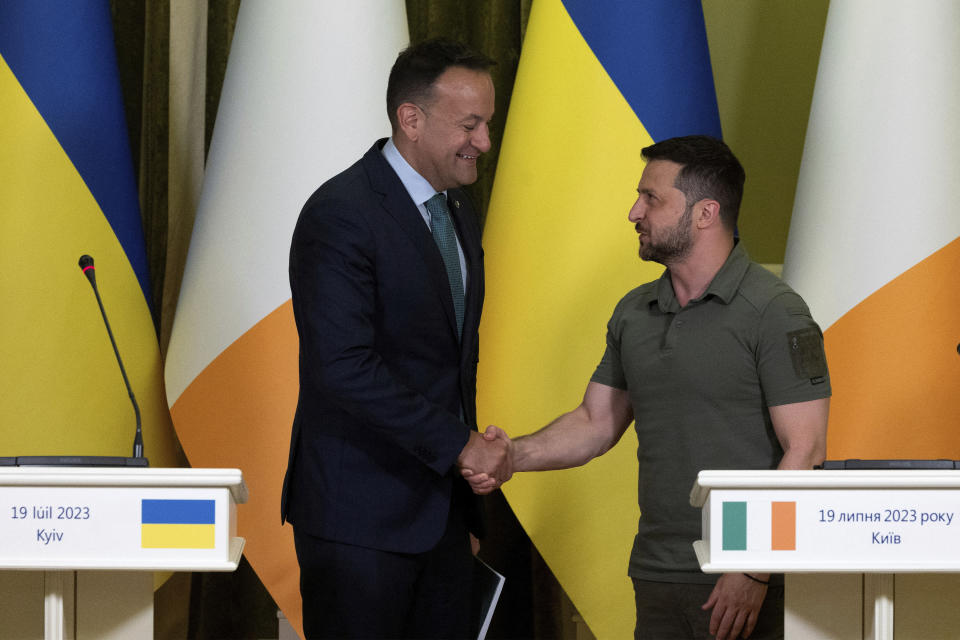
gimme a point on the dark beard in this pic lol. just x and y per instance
(674, 246)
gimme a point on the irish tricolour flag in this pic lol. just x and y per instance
(874, 245)
(231, 368)
(759, 525)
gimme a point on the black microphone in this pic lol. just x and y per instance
(86, 264)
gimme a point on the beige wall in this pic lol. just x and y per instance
(764, 55)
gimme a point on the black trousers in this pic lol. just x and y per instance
(356, 592)
(671, 611)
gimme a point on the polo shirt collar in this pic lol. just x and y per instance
(724, 285)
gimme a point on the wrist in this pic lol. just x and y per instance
(520, 452)
(762, 578)
(471, 441)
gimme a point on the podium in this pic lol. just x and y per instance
(852, 543)
(85, 542)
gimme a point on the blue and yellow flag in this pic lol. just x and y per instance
(178, 524)
(68, 190)
(597, 82)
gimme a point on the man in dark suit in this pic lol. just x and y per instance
(386, 271)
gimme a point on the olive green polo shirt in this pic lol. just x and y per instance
(701, 379)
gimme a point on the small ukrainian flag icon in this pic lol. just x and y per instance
(177, 524)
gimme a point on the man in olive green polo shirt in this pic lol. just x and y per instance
(722, 367)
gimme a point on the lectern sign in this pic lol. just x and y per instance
(131, 525)
(118, 521)
(97, 533)
(866, 521)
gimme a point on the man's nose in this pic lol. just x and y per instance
(481, 138)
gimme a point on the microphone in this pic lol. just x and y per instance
(86, 265)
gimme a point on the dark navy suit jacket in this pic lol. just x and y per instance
(383, 376)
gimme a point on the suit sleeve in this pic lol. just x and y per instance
(333, 280)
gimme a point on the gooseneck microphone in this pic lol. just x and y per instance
(86, 264)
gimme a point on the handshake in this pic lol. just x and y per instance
(487, 461)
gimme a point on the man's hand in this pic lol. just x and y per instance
(487, 461)
(736, 602)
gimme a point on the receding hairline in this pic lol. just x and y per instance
(428, 95)
(416, 70)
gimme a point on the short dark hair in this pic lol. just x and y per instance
(710, 170)
(418, 67)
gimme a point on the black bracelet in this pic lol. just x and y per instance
(757, 579)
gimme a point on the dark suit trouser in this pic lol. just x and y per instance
(356, 592)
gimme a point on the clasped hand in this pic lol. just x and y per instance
(487, 460)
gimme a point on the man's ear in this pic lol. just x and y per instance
(708, 213)
(410, 120)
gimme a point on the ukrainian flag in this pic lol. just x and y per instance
(177, 524)
(68, 190)
(597, 82)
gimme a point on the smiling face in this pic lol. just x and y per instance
(661, 215)
(448, 133)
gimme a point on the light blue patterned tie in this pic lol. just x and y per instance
(446, 238)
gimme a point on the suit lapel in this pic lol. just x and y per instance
(397, 203)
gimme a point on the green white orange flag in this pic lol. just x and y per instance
(303, 98)
(874, 244)
(596, 83)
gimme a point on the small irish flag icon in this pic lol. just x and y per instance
(759, 526)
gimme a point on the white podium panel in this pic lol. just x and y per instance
(870, 522)
(828, 521)
(118, 518)
(98, 533)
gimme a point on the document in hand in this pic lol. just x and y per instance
(488, 584)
